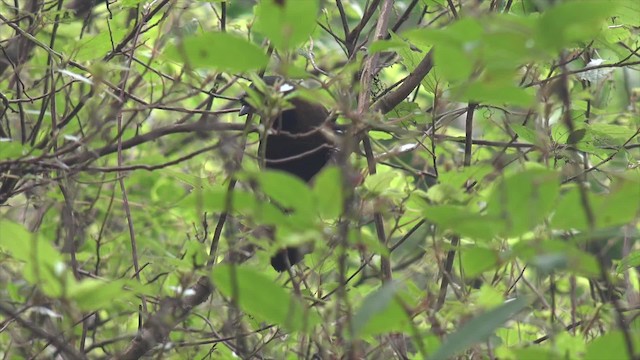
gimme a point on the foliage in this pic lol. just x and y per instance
(484, 202)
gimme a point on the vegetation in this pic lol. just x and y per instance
(484, 201)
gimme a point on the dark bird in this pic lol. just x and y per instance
(296, 143)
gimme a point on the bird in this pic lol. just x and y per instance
(296, 144)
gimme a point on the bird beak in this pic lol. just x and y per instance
(244, 110)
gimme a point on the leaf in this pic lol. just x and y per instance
(547, 263)
(619, 207)
(572, 21)
(524, 199)
(628, 12)
(11, 149)
(534, 353)
(380, 312)
(453, 63)
(385, 45)
(552, 254)
(259, 296)
(479, 329)
(288, 191)
(374, 303)
(496, 92)
(383, 183)
(462, 221)
(458, 177)
(455, 47)
(288, 23)
(25, 246)
(619, 133)
(94, 294)
(43, 264)
(214, 199)
(616, 208)
(527, 134)
(217, 50)
(632, 260)
(576, 136)
(569, 213)
(476, 260)
(96, 47)
(609, 346)
(327, 189)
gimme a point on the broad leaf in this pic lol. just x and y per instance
(257, 295)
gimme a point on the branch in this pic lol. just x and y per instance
(392, 99)
(150, 136)
(159, 325)
(36, 330)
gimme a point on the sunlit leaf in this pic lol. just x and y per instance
(327, 189)
(572, 21)
(476, 260)
(464, 222)
(286, 23)
(259, 296)
(288, 191)
(217, 50)
(380, 312)
(479, 328)
(524, 199)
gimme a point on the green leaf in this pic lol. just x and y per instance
(455, 47)
(463, 221)
(26, 246)
(527, 134)
(525, 199)
(380, 312)
(545, 264)
(576, 136)
(11, 149)
(383, 183)
(496, 92)
(214, 199)
(476, 260)
(43, 264)
(96, 47)
(94, 294)
(569, 213)
(16, 239)
(572, 21)
(553, 254)
(632, 260)
(617, 133)
(479, 329)
(488, 296)
(534, 353)
(287, 25)
(619, 207)
(259, 296)
(384, 45)
(288, 191)
(453, 63)
(616, 208)
(218, 50)
(327, 189)
(609, 346)
(628, 13)
(458, 177)
(374, 303)
(508, 40)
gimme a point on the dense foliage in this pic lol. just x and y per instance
(484, 201)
